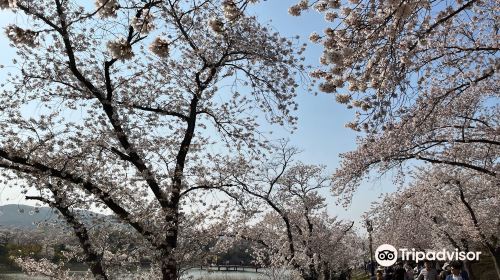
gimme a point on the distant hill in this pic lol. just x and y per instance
(27, 217)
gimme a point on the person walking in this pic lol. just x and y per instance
(456, 272)
(389, 273)
(409, 272)
(446, 271)
(399, 271)
(428, 272)
(379, 275)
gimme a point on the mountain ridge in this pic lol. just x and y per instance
(27, 217)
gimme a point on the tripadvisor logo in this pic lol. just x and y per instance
(387, 255)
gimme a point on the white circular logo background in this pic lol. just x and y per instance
(386, 255)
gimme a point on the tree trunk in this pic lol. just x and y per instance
(169, 266)
(496, 260)
(326, 273)
(97, 269)
(168, 262)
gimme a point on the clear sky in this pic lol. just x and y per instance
(321, 133)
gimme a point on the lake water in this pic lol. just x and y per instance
(195, 273)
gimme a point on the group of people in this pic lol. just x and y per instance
(404, 271)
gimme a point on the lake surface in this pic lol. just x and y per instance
(196, 274)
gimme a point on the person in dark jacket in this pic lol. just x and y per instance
(399, 271)
(389, 273)
(456, 272)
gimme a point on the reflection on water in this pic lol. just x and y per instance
(194, 274)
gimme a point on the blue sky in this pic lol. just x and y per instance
(321, 133)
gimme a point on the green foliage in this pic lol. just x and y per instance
(10, 251)
(58, 252)
(24, 250)
(238, 254)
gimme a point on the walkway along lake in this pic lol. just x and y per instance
(197, 274)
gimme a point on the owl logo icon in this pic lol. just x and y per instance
(386, 255)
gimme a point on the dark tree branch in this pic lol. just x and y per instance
(92, 258)
(23, 165)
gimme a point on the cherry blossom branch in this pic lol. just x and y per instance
(474, 218)
(220, 188)
(26, 166)
(92, 258)
(208, 187)
(455, 163)
(446, 234)
(27, 10)
(160, 111)
(443, 20)
(284, 217)
(183, 31)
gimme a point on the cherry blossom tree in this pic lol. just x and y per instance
(126, 106)
(286, 218)
(445, 207)
(422, 77)
(331, 246)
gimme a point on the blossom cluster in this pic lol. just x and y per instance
(159, 47)
(296, 10)
(20, 36)
(6, 4)
(231, 11)
(43, 267)
(107, 8)
(216, 25)
(120, 49)
(145, 23)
